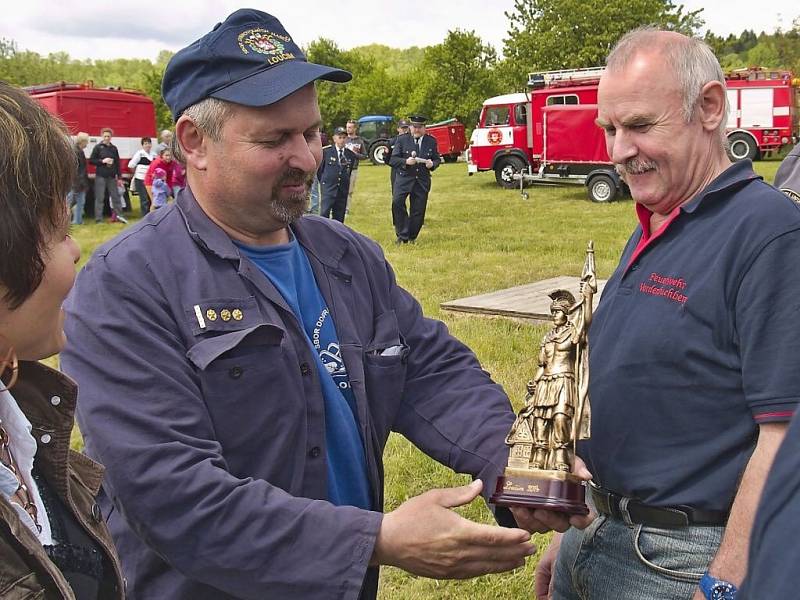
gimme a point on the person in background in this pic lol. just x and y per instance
(165, 141)
(107, 178)
(178, 179)
(163, 161)
(358, 146)
(414, 156)
(76, 198)
(787, 178)
(161, 190)
(139, 165)
(315, 190)
(402, 129)
(54, 543)
(334, 176)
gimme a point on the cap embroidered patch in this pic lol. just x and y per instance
(262, 41)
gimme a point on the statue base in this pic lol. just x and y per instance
(539, 488)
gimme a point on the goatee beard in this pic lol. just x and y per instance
(288, 210)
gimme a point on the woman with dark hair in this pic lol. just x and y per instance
(53, 540)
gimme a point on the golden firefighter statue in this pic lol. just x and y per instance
(556, 412)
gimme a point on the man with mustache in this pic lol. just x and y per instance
(693, 346)
(244, 364)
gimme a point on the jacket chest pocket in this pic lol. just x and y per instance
(246, 388)
(385, 358)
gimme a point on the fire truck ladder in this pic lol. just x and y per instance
(564, 77)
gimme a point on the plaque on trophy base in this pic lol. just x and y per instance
(556, 414)
(538, 488)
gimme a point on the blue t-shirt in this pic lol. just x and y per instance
(287, 267)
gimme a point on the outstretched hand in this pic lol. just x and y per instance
(425, 537)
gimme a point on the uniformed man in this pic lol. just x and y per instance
(402, 129)
(334, 175)
(787, 179)
(414, 156)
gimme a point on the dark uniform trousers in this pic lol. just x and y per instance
(412, 181)
(334, 179)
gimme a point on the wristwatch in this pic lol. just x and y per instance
(717, 589)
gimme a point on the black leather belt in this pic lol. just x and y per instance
(631, 510)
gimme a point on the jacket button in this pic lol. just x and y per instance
(97, 514)
(235, 372)
(55, 400)
(305, 369)
(315, 452)
(45, 439)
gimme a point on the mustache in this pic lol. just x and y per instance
(635, 166)
(296, 177)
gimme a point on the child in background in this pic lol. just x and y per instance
(160, 188)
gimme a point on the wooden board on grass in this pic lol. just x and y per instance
(529, 301)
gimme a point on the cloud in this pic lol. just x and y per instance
(115, 22)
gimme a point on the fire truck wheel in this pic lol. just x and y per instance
(602, 189)
(505, 169)
(377, 152)
(742, 146)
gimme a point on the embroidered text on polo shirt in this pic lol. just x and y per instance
(670, 293)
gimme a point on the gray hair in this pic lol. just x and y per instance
(209, 115)
(691, 59)
(81, 137)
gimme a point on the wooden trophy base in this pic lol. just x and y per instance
(538, 488)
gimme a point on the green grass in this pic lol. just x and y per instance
(477, 238)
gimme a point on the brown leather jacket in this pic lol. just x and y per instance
(47, 398)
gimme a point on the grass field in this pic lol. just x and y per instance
(477, 238)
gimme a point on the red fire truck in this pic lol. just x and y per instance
(83, 107)
(764, 111)
(550, 132)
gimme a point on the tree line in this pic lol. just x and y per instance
(454, 77)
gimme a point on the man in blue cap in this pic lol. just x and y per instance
(243, 417)
(334, 175)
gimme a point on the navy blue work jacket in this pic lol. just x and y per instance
(199, 394)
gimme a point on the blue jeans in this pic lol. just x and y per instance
(75, 201)
(610, 559)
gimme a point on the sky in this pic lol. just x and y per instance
(102, 30)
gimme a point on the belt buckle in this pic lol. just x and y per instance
(602, 499)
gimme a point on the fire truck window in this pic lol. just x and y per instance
(521, 114)
(556, 100)
(497, 115)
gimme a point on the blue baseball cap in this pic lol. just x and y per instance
(248, 59)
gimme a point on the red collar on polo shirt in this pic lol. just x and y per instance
(739, 173)
(649, 237)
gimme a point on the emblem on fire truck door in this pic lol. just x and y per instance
(494, 136)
